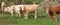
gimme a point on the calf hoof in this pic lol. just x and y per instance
(56, 20)
(35, 18)
(11, 16)
(50, 20)
(26, 18)
(19, 16)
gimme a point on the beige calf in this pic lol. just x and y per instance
(30, 8)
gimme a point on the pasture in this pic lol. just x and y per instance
(43, 19)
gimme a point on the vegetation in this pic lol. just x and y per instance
(22, 1)
(43, 17)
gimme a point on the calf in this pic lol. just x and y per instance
(53, 10)
(11, 9)
(17, 9)
(2, 6)
(29, 8)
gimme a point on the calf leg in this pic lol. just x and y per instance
(26, 15)
(11, 13)
(2, 9)
(19, 13)
(16, 14)
(35, 15)
(50, 18)
(55, 17)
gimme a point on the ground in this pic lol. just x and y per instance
(5, 19)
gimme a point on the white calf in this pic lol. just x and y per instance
(2, 5)
(11, 9)
(17, 9)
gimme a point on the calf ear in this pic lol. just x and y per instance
(20, 9)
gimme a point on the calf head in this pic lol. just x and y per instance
(5, 9)
(47, 9)
(22, 8)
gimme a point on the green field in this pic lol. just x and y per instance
(43, 19)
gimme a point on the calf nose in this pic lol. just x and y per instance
(47, 11)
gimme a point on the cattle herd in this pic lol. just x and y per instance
(52, 10)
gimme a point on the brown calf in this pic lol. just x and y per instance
(53, 11)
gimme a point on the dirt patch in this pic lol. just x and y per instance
(5, 18)
(6, 21)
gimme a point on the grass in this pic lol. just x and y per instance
(43, 19)
(22, 21)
